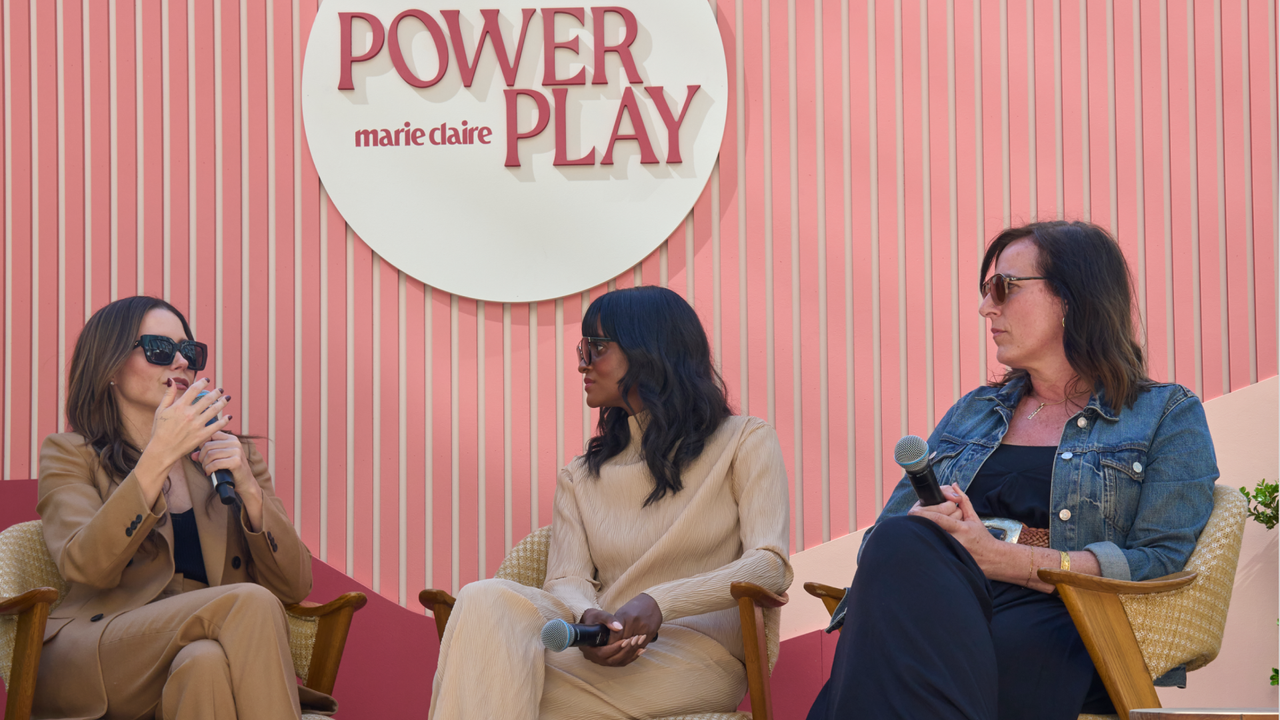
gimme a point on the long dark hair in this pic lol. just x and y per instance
(1087, 270)
(669, 366)
(102, 348)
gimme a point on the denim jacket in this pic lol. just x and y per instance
(1134, 485)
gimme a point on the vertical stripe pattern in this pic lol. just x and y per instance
(871, 148)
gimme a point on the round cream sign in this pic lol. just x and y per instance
(508, 153)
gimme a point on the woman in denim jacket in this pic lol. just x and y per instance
(1108, 472)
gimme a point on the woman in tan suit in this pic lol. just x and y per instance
(674, 499)
(174, 608)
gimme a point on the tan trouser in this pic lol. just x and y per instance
(203, 649)
(493, 665)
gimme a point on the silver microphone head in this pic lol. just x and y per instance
(557, 635)
(912, 453)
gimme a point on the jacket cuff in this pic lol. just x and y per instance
(1111, 560)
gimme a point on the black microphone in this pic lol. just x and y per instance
(559, 635)
(912, 453)
(223, 482)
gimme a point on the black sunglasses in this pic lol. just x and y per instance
(159, 350)
(997, 286)
(590, 348)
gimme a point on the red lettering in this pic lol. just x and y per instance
(397, 57)
(432, 136)
(385, 140)
(416, 139)
(638, 132)
(484, 136)
(454, 139)
(513, 135)
(490, 28)
(549, 46)
(562, 151)
(346, 60)
(673, 123)
(623, 50)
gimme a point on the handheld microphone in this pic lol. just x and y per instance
(912, 453)
(559, 635)
(223, 482)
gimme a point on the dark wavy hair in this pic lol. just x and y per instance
(102, 348)
(1085, 267)
(669, 366)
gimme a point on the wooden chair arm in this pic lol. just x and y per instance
(752, 600)
(757, 595)
(440, 603)
(1115, 587)
(32, 609)
(19, 604)
(830, 596)
(333, 623)
(306, 609)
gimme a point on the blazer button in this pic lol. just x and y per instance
(96, 618)
(1065, 515)
(129, 531)
(137, 519)
(235, 563)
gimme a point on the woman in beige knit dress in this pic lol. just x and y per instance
(674, 499)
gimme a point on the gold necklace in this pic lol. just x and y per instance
(1043, 405)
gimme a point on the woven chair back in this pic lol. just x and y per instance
(527, 562)
(1185, 626)
(24, 565)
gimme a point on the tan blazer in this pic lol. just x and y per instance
(101, 536)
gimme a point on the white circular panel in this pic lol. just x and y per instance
(456, 215)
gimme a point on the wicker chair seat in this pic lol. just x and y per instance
(527, 564)
(25, 564)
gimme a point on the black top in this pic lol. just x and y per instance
(1015, 483)
(188, 559)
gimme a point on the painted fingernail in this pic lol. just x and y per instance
(227, 398)
(616, 625)
(230, 418)
(168, 383)
(641, 651)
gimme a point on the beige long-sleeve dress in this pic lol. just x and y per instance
(728, 524)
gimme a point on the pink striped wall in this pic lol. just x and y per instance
(871, 147)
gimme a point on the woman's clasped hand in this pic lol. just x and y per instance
(633, 627)
(957, 517)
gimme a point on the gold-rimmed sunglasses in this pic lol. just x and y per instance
(997, 286)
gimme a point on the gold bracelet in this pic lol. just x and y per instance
(1065, 563)
(1031, 571)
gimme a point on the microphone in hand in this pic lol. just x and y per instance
(559, 635)
(224, 483)
(912, 453)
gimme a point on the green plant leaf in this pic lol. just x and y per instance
(1262, 503)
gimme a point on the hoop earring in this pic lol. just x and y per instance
(1064, 324)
